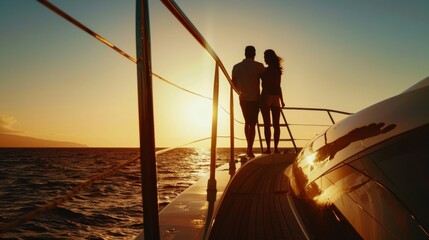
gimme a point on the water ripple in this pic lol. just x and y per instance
(109, 209)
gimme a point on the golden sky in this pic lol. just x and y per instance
(58, 83)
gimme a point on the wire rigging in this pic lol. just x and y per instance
(120, 51)
(85, 28)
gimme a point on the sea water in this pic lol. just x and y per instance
(108, 209)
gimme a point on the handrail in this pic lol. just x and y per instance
(288, 125)
(329, 111)
(317, 109)
(184, 20)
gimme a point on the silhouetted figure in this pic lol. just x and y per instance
(245, 77)
(272, 98)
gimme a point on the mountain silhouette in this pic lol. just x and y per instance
(16, 141)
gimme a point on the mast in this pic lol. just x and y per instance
(146, 122)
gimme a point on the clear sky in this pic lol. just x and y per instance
(59, 83)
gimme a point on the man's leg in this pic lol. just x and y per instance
(250, 139)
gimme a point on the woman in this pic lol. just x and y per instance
(272, 97)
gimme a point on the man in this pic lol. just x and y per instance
(246, 79)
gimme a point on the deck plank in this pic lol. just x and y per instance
(255, 204)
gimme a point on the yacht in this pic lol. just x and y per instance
(363, 177)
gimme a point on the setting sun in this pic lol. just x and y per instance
(199, 115)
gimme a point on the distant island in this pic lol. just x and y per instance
(16, 141)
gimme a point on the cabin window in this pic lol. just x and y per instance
(402, 166)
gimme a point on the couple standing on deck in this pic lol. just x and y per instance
(245, 77)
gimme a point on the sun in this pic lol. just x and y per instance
(199, 115)
(188, 122)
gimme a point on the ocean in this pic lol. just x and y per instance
(108, 209)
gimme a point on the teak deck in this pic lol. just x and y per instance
(254, 205)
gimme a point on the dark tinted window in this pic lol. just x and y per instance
(404, 164)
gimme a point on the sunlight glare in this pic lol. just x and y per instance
(310, 158)
(199, 115)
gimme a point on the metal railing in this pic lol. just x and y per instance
(145, 74)
(290, 134)
(184, 20)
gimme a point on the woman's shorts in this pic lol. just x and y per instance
(269, 101)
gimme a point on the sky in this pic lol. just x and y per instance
(59, 83)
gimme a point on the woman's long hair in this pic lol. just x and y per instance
(273, 60)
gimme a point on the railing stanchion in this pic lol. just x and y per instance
(212, 180)
(231, 129)
(330, 116)
(290, 133)
(146, 122)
